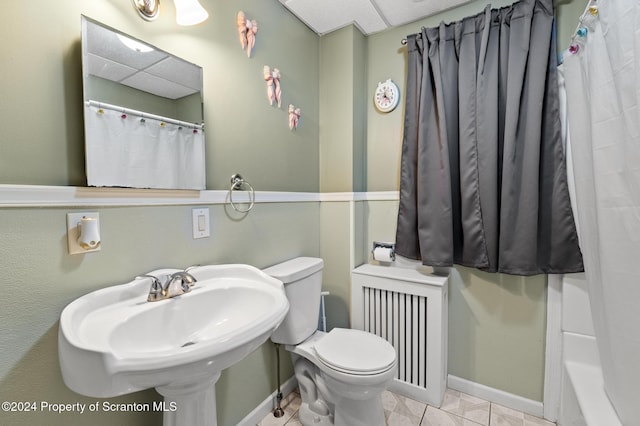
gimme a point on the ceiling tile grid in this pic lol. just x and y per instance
(329, 15)
(370, 16)
(400, 12)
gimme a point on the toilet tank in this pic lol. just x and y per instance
(302, 279)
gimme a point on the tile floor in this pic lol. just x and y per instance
(458, 409)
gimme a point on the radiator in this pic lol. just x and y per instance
(408, 308)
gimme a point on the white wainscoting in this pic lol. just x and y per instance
(72, 196)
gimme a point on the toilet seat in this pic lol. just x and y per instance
(355, 352)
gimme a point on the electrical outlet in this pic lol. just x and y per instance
(200, 221)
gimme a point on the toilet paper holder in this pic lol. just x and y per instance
(390, 246)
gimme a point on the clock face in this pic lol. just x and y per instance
(386, 96)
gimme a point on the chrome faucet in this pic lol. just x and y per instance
(178, 283)
(155, 292)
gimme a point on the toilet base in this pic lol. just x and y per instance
(309, 417)
(360, 413)
(329, 402)
(368, 412)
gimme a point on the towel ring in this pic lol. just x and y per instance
(237, 182)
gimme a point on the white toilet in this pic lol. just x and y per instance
(342, 373)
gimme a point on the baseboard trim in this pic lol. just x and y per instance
(267, 406)
(515, 402)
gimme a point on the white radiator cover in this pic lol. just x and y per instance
(408, 308)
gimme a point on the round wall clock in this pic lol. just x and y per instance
(148, 9)
(386, 96)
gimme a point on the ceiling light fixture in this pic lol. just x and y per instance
(148, 9)
(189, 12)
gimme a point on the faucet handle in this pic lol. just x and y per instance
(188, 277)
(156, 292)
(185, 277)
(178, 283)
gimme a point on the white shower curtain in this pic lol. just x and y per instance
(603, 96)
(123, 150)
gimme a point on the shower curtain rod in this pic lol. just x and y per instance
(404, 40)
(555, 4)
(590, 12)
(142, 114)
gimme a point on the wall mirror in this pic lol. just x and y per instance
(143, 113)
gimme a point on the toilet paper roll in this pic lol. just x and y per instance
(383, 254)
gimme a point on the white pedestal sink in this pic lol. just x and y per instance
(112, 341)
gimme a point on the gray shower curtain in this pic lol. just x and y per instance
(483, 178)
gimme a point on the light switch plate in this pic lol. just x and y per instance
(73, 231)
(200, 223)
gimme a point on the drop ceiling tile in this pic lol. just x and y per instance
(399, 12)
(157, 86)
(105, 68)
(324, 16)
(329, 15)
(178, 71)
(109, 46)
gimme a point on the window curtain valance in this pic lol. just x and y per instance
(483, 177)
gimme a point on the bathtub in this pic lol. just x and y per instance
(583, 400)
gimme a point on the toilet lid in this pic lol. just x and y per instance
(355, 352)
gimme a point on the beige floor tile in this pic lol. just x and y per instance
(294, 421)
(271, 420)
(436, 417)
(400, 410)
(290, 404)
(504, 416)
(530, 420)
(458, 409)
(467, 406)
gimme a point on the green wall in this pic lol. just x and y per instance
(342, 111)
(496, 333)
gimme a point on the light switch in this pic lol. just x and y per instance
(200, 220)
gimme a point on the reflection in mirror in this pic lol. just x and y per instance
(143, 113)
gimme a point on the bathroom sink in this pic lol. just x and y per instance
(113, 341)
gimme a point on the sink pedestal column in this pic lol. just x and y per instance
(190, 404)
